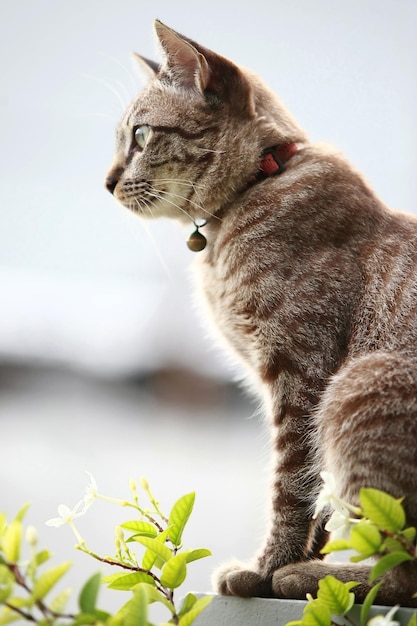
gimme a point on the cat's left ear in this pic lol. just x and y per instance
(148, 69)
(190, 67)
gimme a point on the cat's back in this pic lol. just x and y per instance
(314, 247)
(386, 315)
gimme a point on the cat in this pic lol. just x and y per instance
(308, 277)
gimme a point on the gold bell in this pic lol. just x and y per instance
(196, 241)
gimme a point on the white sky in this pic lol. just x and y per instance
(346, 70)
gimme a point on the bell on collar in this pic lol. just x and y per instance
(196, 241)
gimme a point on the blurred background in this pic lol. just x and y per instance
(105, 365)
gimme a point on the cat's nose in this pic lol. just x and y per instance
(110, 183)
(113, 176)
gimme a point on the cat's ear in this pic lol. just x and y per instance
(189, 66)
(147, 69)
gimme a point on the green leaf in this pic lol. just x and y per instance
(154, 595)
(6, 583)
(188, 603)
(7, 616)
(387, 562)
(174, 572)
(382, 509)
(155, 546)
(149, 559)
(413, 620)
(316, 613)
(335, 546)
(21, 514)
(11, 541)
(335, 595)
(49, 579)
(87, 598)
(3, 524)
(41, 557)
(59, 603)
(126, 582)
(392, 545)
(141, 528)
(196, 609)
(366, 539)
(82, 619)
(135, 612)
(409, 534)
(368, 602)
(19, 602)
(194, 555)
(179, 516)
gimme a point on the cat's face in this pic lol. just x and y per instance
(192, 139)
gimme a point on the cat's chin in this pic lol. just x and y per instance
(154, 211)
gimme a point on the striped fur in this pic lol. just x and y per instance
(311, 281)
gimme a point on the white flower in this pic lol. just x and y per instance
(385, 620)
(340, 524)
(91, 491)
(326, 496)
(67, 515)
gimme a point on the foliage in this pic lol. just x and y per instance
(378, 529)
(27, 584)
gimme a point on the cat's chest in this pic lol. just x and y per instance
(232, 301)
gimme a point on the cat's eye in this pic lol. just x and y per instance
(142, 135)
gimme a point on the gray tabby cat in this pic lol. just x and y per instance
(311, 280)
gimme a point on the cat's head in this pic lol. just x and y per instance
(192, 140)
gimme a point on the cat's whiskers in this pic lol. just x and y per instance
(186, 183)
(179, 181)
(191, 185)
(197, 194)
(134, 83)
(156, 194)
(211, 151)
(180, 197)
(123, 103)
(145, 206)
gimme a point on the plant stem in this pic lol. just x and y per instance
(27, 616)
(131, 568)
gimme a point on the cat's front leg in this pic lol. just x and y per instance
(293, 535)
(256, 580)
(285, 544)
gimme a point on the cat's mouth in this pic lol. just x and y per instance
(137, 196)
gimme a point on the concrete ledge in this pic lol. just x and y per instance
(232, 611)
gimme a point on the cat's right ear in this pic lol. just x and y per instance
(188, 67)
(147, 69)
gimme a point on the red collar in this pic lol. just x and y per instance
(273, 160)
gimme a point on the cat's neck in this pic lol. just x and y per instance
(272, 163)
(274, 159)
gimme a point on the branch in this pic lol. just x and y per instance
(131, 568)
(26, 616)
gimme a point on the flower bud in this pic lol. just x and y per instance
(32, 536)
(144, 483)
(119, 533)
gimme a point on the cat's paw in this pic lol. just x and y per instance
(236, 580)
(296, 580)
